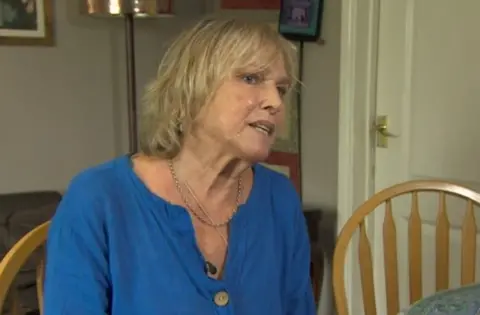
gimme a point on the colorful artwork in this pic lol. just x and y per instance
(301, 19)
(298, 13)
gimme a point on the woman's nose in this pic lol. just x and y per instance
(272, 99)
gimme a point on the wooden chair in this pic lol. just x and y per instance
(442, 240)
(13, 262)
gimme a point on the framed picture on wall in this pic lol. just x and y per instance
(26, 22)
(301, 20)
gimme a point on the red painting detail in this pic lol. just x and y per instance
(250, 4)
(290, 160)
(164, 6)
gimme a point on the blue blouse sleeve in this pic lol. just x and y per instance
(76, 276)
(300, 291)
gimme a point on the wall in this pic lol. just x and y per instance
(63, 108)
(320, 113)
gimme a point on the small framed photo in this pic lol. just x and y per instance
(26, 22)
(287, 164)
(301, 20)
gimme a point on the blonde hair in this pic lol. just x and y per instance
(192, 69)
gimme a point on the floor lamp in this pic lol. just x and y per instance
(130, 10)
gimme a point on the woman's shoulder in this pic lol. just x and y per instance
(103, 175)
(92, 188)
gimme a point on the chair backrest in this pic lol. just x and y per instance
(442, 232)
(15, 259)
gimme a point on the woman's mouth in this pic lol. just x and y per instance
(263, 126)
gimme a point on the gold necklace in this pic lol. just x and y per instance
(205, 213)
(189, 207)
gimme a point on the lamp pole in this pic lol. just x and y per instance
(130, 10)
(131, 83)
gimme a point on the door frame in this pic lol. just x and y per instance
(357, 107)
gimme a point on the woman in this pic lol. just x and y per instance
(191, 224)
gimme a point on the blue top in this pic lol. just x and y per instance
(116, 248)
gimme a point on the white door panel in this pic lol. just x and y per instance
(428, 84)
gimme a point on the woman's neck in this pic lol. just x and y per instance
(211, 173)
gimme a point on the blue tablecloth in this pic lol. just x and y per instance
(460, 301)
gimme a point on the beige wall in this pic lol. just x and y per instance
(320, 113)
(63, 108)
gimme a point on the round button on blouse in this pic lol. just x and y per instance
(221, 298)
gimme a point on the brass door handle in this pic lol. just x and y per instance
(383, 130)
(382, 133)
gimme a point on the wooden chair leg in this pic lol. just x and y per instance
(40, 278)
(15, 305)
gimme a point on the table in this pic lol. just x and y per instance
(460, 301)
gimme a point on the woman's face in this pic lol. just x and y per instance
(246, 112)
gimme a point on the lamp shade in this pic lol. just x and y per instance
(139, 8)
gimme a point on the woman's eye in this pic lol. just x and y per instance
(282, 90)
(251, 79)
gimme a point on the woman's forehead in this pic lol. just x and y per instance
(271, 63)
(277, 71)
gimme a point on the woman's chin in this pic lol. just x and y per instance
(257, 156)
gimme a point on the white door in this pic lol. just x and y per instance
(426, 80)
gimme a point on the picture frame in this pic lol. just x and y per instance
(26, 22)
(301, 20)
(285, 163)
